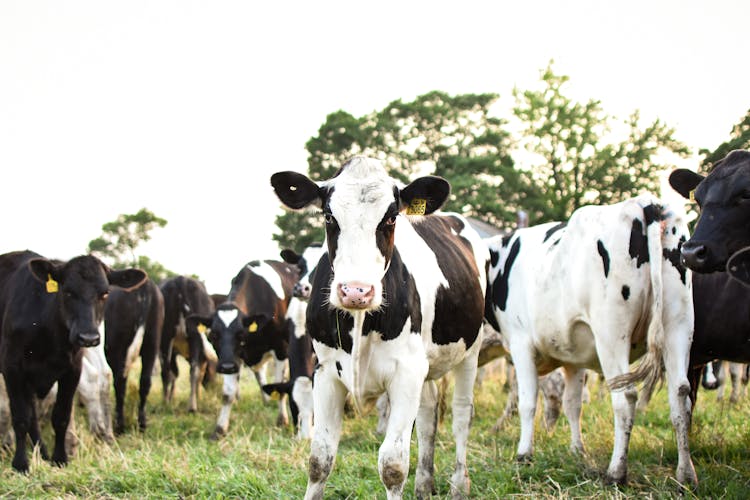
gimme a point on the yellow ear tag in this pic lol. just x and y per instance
(275, 395)
(692, 195)
(418, 206)
(202, 328)
(52, 285)
(253, 327)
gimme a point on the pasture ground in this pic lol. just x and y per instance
(175, 459)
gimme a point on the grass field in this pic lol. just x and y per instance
(175, 459)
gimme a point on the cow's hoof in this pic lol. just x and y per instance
(217, 434)
(619, 480)
(525, 459)
(21, 465)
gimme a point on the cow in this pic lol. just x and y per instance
(397, 302)
(598, 292)
(185, 297)
(301, 356)
(716, 252)
(250, 327)
(133, 323)
(714, 377)
(50, 310)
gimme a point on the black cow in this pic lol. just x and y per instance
(722, 331)
(185, 297)
(49, 311)
(724, 199)
(133, 322)
(396, 303)
(250, 325)
(301, 356)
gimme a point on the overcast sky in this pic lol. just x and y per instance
(188, 107)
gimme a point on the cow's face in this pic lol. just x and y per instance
(232, 334)
(81, 287)
(361, 206)
(306, 264)
(724, 199)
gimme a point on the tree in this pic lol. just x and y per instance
(122, 236)
(575, 157)
(739, 138)
(454, 136)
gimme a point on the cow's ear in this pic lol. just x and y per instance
(290, 256)
(44, 270)
(198, 322)
(127, 279)
(296, 190)
(424, 195)
(255, 322)
(738, 266)
(684, 181)
(277, 389)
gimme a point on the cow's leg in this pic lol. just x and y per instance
(329, 395)
(21, 408)
(613, 357)
(120, 383)
(144, 385)
(94, 392)
(527, 379)
(735, 374)
(552, 386)
(195, 375)
(572, 400)
(463, 410)
(676, 354)
(167, 377)
(424, 485)
(175, 372)
(393, 458)
(230, 391)
(383, 407)
(66, 388)
(35, 434)
(279, 374)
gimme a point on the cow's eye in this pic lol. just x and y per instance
(391, 221)
(745, 196)
(103, 296)
(329, 218)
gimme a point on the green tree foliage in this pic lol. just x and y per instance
(575, 157)
(739, 138)
(567, 154)
(121, 237)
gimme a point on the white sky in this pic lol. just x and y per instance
(188, 107)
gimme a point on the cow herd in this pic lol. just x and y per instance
(398, 296)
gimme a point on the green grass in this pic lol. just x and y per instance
(175, 459)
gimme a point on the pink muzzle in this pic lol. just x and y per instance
(355, 295)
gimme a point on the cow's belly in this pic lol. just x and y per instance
(569, 344)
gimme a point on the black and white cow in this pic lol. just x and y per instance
(49, 310)
(185, 297)
(299, 387)
(396, 303)
(251, 326)
(597, 293)
(133, 322)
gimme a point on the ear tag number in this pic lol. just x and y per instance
(52, 286)
(418, 206)
(202, 328)
(253, 327)
(692, 196)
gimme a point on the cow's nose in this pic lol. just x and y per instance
(90, 339)
(694, 255)
(355, 295)
(227, 368)
(301, 291)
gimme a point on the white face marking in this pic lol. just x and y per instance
(362, 194)
(227, 316)
(271, 276)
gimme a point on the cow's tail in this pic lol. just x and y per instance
(650, 369)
